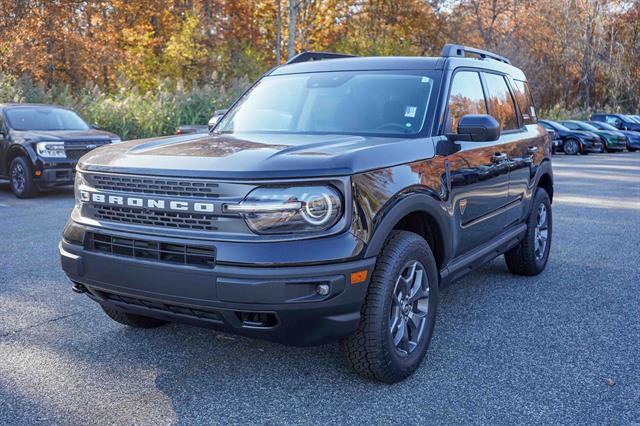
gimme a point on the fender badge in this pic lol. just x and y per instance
(463, 205)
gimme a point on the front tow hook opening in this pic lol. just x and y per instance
(79, 288)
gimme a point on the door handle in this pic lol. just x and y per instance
(498, 157)
(533, 150)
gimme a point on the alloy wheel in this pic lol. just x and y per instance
(18, 177)
(541, 233)
(409, 307)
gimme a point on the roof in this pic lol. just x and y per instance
(381, 63)
(18, 105)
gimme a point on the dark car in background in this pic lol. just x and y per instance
(633, 137)
(192, 128)
(613, 140)
(41, 144)
(619, 121)
(573, 142)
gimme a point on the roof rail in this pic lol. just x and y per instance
(458, 50)
(316, 56)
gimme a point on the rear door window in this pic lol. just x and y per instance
(500, 101)
(525, 102)
(465, 97)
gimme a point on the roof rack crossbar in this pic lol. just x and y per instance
(316, 56)
(458, 50)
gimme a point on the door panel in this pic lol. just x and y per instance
(479, 189)
(478, 177)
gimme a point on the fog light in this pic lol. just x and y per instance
(322, 289)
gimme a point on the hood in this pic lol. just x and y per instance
(610, 133)
(631, 133)
(586, 134)
(633, 126)
(256, 156)
(63, 135)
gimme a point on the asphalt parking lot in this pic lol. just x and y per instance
(563, 347)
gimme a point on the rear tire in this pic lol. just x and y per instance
(531, 255)
(398, 313)
(21, 178)
(571, 147)
(131, 320)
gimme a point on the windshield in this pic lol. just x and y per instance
(634, 118)
(557, 126)
(363, 102)
(582, 126)
(604, 126)
(44, 118)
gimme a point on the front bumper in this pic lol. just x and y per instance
(634, 143)
(592, 146)
(280, 304)
(54, 172)
(616, 144)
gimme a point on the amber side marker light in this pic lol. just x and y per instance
(358, 277)
(38, 173)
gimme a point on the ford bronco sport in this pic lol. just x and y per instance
(331, 202)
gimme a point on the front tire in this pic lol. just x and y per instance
(21, 178)
(399, 311)
(131, 320)
(531, 255)
(571, 147)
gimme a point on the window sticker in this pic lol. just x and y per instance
(410, 111)
(425, 80)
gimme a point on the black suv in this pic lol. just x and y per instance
(41, 144)
(573, 142)
(335, 212)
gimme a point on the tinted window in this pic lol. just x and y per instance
(44, 118)
(602, 126)
(525, 102)
(572, 126)
(500, 102)
(466, 97)
(614, 121)
(364, 102)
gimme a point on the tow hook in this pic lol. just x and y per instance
(79, 288)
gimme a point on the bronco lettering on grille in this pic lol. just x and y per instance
(146, 202)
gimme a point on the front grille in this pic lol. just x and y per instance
(76, 149)
(192, 221)
(156, 186)
(166, 307)
(181, 254)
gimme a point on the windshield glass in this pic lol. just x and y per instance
(44, 118)
(363, 102)
(584, 126)
(604, 126)
(558, 126)
(634, 118)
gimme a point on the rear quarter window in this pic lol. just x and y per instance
(525, 102)
(500, 102)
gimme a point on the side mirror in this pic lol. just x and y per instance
(94, 126)
(217, 115)
(476, 128)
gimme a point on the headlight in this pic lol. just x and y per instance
(51, 149)
(80, 187)
(290, 209)
(116, 140)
